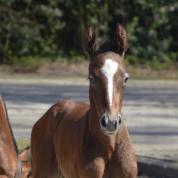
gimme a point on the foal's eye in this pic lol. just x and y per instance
(126, 77)
(91, 78)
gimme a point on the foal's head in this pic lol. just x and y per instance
(107, 76)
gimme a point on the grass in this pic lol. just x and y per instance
(78, 66)
(28, 64)
(22, 144)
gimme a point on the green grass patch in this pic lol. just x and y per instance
(29, 64)
(161, 63)
(55, 65)
(22, 144)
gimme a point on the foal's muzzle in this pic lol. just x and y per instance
(110, 124)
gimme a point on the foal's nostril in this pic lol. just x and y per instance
(104, 121)
(115, 122)
(119, 120)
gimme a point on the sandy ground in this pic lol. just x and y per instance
(150, 108)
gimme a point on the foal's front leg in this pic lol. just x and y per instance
(127, 159)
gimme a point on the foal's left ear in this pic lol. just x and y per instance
(89, 40)
(121, 38)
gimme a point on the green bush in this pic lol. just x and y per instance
(55, 27)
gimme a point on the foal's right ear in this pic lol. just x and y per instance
(121, 38)
(89, 40)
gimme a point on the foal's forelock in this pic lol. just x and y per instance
(109, 69)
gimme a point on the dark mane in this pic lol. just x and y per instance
(108, 45)
(102, 46)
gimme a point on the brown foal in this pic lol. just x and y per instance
(77, 140)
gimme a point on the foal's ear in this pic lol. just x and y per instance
(121, 38)
(89, 40)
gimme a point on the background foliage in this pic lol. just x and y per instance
(54, 28)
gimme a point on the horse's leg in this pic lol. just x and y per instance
(44, 164)
(128, 161)
(25, 154)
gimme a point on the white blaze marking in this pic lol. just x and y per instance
(109, 69)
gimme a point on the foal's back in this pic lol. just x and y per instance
(64, 119)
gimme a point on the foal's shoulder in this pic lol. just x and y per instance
(69, 107)
(70, 104)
